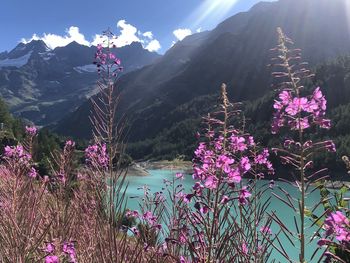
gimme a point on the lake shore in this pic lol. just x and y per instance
(142, 168)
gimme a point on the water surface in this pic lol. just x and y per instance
(155, 182)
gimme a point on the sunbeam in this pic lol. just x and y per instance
(210, 9)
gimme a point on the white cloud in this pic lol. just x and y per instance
(154, 45)
(181, 33)
(148, 34)
(127, 34)
(53, 40)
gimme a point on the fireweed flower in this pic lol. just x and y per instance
(31, 130)
(244, 194)
(184, 260)
(50, 248)
(52, 259)
(338, 224)
(180, 176)
(105, 58)
(69, 250)
(69, 144)
(266, 230)
(33, 173)
(295, 110)
(18, 154)
(97, 155)
(300, 112)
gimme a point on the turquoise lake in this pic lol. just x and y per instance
(155, 182)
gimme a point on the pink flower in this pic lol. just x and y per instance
(266, 230)
(330, 146)
(50, 248)
(51, 259)
(70, 143)
(278, 105)
(238, 143)
(211, 182)
(244, 195)
(262, 158)
(99, 47)
(69, 250)
(32, 173)
(179, 176)
(133, 213)
(31, 130)
(317, 94)
(224, 162)
(97, 155)
(285, 97)
(184, 260)
(18, 154)
(245, 164)
(245, 248)
(296, 106)
(338, 224)
(150, 218)
(234, 176)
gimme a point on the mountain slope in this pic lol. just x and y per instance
(43, 85)
(235, 52)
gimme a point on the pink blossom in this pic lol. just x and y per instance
(285, 97)
(33, 173)
(238, 143)
(184, 260)
(330, 146)
(338, 224)
(50, 248)
(244, 195)
(70, 143)
(133, 213)
(211, 182)
(18, 154)
(97, 155)
(224, 162)
(266, 230)
(317, 94)
(179, 176)
(52, 259)
(296, 106)
(245, 248)
(31, 130)
(69, 250)
(245, 164)
(234, 176)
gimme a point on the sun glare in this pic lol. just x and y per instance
(210, 10)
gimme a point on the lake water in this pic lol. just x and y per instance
(155, 182)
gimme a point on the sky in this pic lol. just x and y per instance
(157, 24)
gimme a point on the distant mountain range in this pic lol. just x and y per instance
(165, 97)
(159, 96)
(44, 85)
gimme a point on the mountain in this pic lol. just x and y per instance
(44, 85)
(172, 93)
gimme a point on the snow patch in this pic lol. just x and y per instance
(46, 55)
(15, 62)
(86, 68)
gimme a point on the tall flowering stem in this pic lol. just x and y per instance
(223, 217)
(295, 111)
(104, 156)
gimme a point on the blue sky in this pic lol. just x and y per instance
(60, 21)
